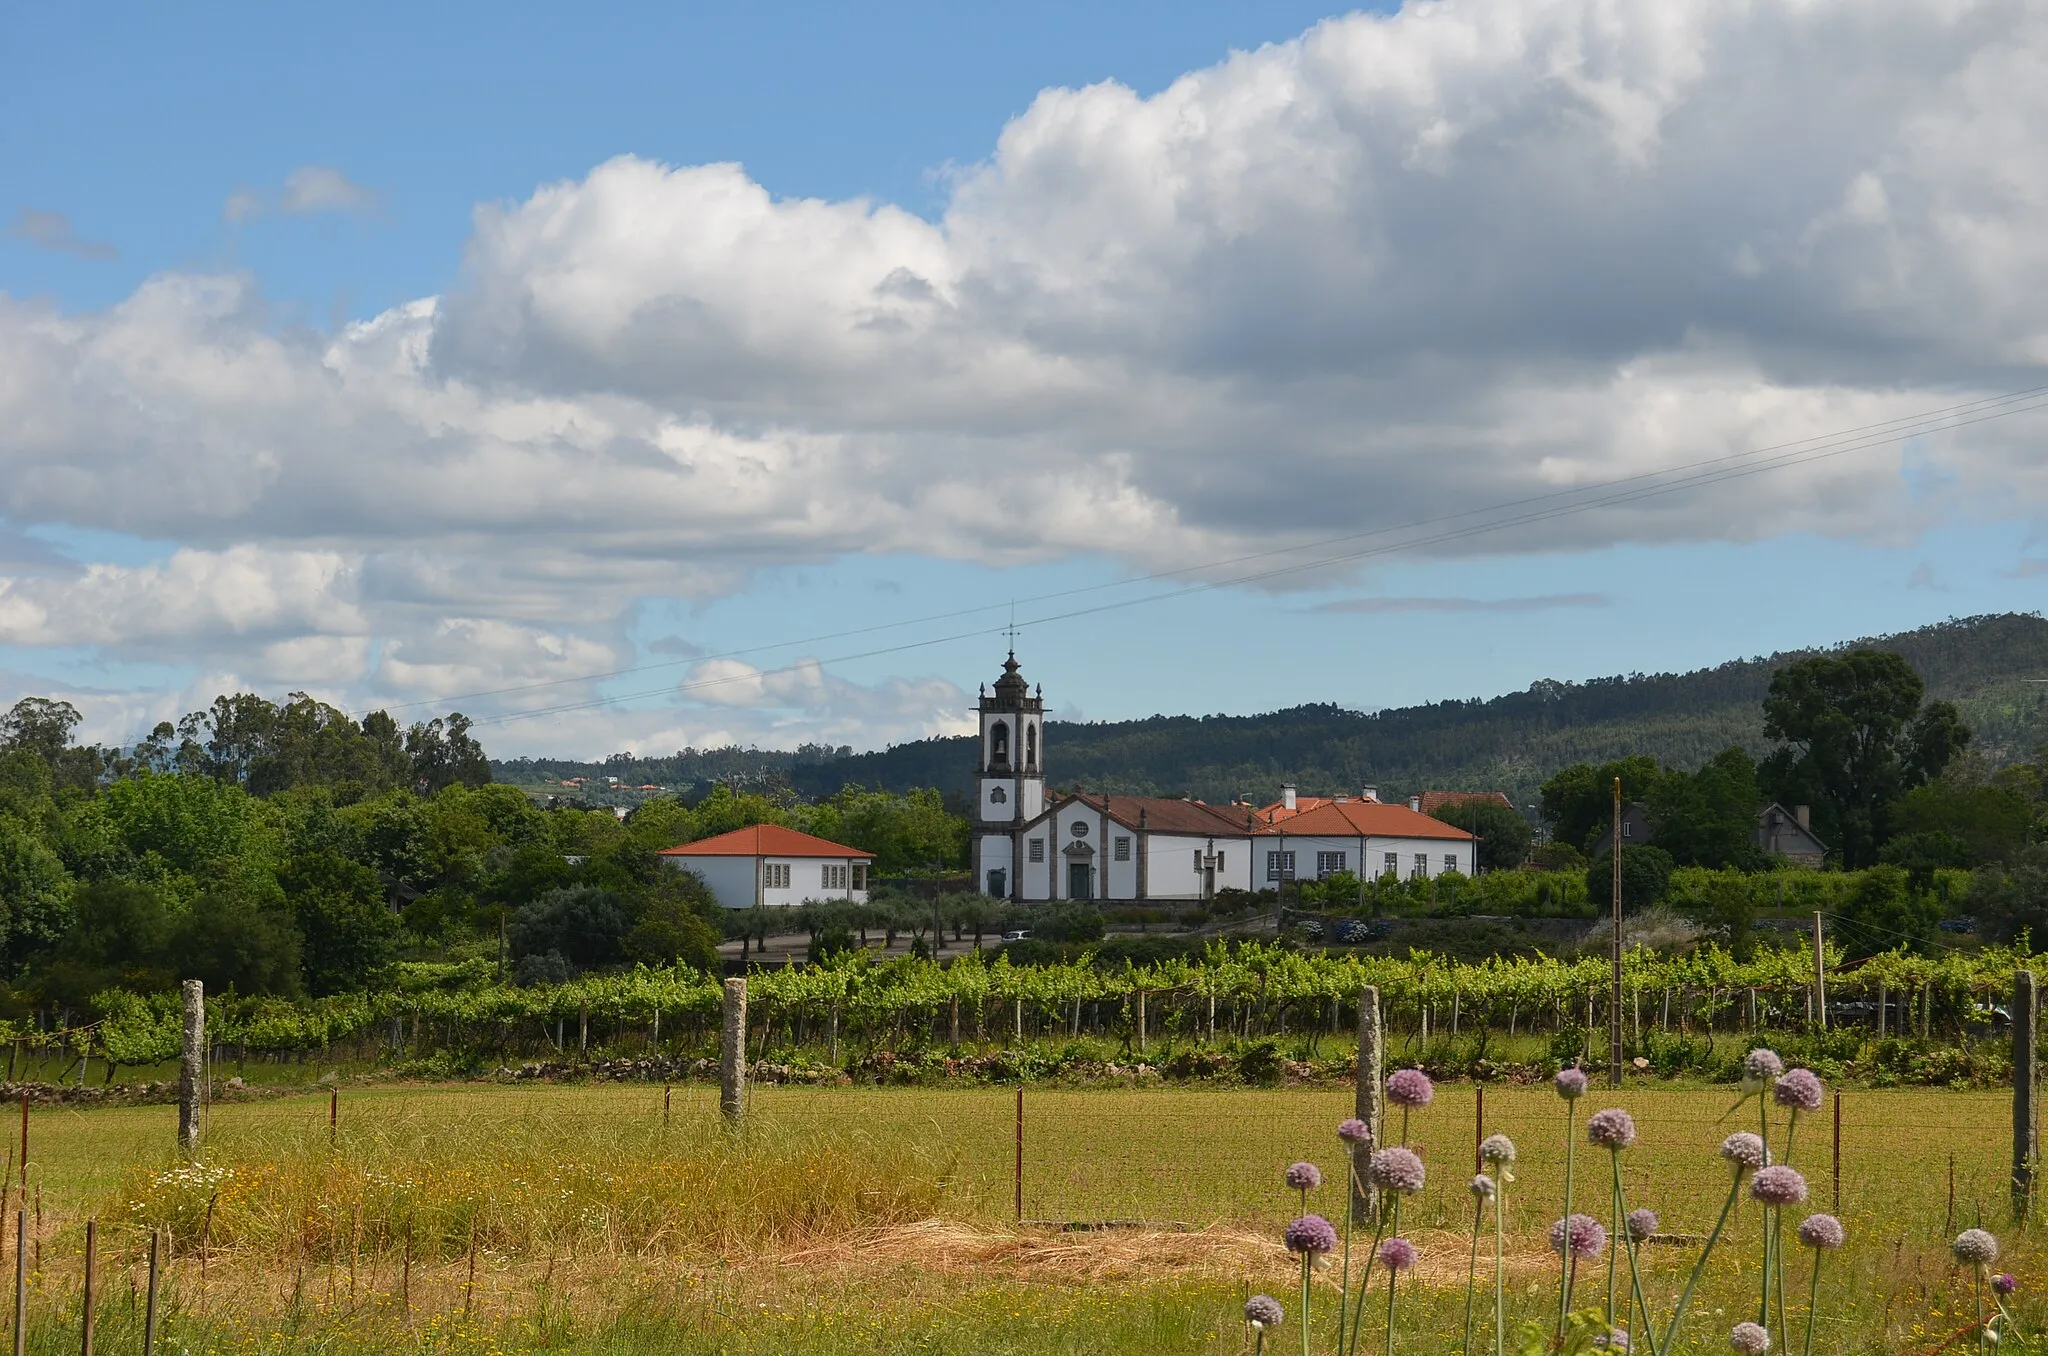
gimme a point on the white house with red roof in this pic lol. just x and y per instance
(1367, 838)
(767, 864)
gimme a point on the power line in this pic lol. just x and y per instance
(1624, 490)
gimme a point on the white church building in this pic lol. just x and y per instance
(1029, 846)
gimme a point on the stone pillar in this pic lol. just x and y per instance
(192, 1068)
(732, 1054)
(1370, 1103)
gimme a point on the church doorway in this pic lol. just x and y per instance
(999, 883)
(1080, 880)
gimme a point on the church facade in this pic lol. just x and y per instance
(1031, 846)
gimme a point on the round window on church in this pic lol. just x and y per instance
(998, 796)
(1080, 828)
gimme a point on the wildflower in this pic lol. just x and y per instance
(1396, 1170)
(1611, 1129)
(1588, 1239)
(1409, 1088)
(1744, 1150)
(1642, 1222)
(1262, 1312)
(1397, 1254)
(1354, 1131)
(1760, 1067)
(1310, 1234)
(1482, 1187)
(1304, 1176)
(2004, 1283)
(1570, 1084)
(1799, 1090)
(1614, 1339)
(1750, 1338)
(1975, 1247)
(1496, 1149)
(1822, 1231)
(1778, 1185)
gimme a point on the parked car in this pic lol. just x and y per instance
(1957, 925)
(1017, 934)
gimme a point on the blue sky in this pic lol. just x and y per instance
(418, 359)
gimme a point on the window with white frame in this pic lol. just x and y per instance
(860, 875)
(1123, 849)
(1329, 864)
(1219, 860)
(1421, 864)
(1450, 861)
(834, 877)
(1279, 866)
(1036, 852)
(1393, 864)
(775, 876)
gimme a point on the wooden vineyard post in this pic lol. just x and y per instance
(92, 1238)
(21, 1280)
(832, 1032)
(333, 1117)
(1478, 1124)
(1614, 946)
(1140, 996)
(2026, 1138)
(149, 1305)
(1820, 976)
(1837, 1161)
(1370, 1097)
(1018, 1176)
(192, 1068)
(732, 1054)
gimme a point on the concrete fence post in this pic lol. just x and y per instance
(2026, 1138)
(1370, 1101)
(732, 1054)
(192, 1068)
(1141, 1021)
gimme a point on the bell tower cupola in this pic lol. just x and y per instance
(1010, 777)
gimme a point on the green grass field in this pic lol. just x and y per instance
(601, 1229)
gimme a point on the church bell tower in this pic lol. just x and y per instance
(1010, 781)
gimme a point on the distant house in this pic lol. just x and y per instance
(1635, 829)
(1790, 835)
(1429, 802)
(771, 865)
(1365, 838)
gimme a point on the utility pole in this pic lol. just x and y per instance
(1614, 995)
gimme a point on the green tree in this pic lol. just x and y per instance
(583, 924)
(347, 927)
(1708, 818)
(119, 936)
(1578, 803)
(1853, 737)
(670, 931)
(442, 753)
(1883, 909)
(1991, 822)
(1645, 877)
(41, 726)
(35, 889)
(237, 935)
(2011, 898)
(1504, 835)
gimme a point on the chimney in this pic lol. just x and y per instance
(1415, 804)
(1804, 814)
(1371, 793)
(1287, 795)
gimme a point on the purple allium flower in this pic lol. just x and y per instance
(1778, 1185)
(1760, 1067)
(1496, 1149)
(1611, 1129)
(1354, 1131)
(1397, 1254)
(1311, 1233)
(1304, 1176)
(1588, 1238)
(1482, 1187)
(2004, 1283)
(1744, 1150)
(1614, 1339)
(1263, 1311)
(1975, 1246)
(1396, 1170)
(1822, 1231)
(1410, 1088)
(1642, 1222)
(1799, 1090)
(1570, 1084)
(1750, 1339)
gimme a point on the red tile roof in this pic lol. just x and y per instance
(1278, 812)
(1433, 801)
(1370, 818)
(1165, 815)
(764, 840)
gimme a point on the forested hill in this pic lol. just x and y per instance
(1990, 666)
